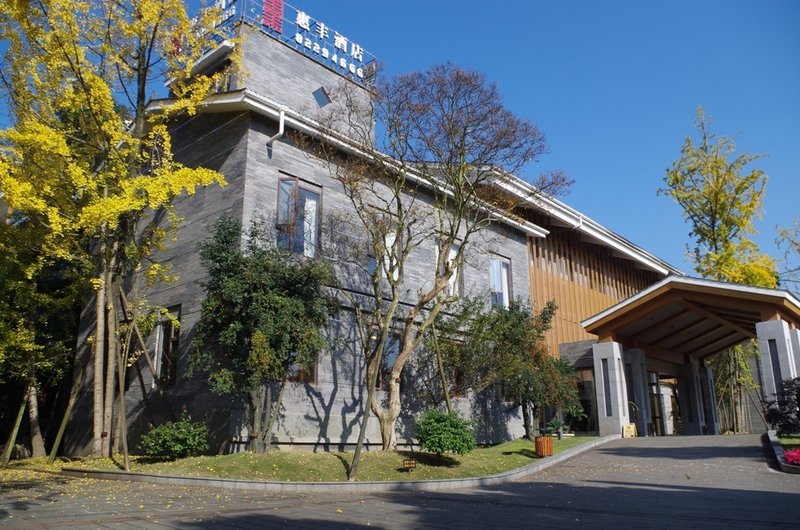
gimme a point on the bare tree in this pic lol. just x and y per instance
(438, 172)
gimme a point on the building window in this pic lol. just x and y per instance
(299, 211)
(500, 281)
(295, 374)
(166, 354)
(390, 262)
(458, 382)
(606, 385)
(454, 283)
(390, 352)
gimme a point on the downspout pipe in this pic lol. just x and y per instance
(281, 126)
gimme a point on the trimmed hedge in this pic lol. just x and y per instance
(176, 439)
(441, 432)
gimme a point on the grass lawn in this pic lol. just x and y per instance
(306, 466)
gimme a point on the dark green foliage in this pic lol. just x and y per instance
(39, 308)
(485, 346)
(264, 310)
(176, 439)
(441, 432)
(783, 412)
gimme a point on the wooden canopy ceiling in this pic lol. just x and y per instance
(690, 316)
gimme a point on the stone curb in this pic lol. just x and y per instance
(330, 487)
(777, 448)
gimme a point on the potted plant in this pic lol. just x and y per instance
(574, 413)
(557, 425)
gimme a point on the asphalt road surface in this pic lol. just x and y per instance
(668, 482)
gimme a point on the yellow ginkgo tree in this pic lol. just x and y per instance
(84, 161)
(721, 199)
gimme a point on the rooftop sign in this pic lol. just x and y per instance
(311, 37)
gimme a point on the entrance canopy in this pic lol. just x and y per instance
(692, 316)
(649, 363)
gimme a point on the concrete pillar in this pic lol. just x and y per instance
(709, 399)
(778, 360)
(611, 394)
(794, 339)
(692, 409)
(636, 377)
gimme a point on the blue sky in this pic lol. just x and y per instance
(615, 85)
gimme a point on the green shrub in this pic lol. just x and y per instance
(783, 411)
(440, 432)
(176, 439)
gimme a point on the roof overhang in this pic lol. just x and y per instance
(248, 100)
(591, 230)
(692, 316)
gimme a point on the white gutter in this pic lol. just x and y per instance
(248, 100)
(587, 226)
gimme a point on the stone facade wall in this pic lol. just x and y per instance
(324, 413)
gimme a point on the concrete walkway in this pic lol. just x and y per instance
(675, 482)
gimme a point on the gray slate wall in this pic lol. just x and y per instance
(324, 414)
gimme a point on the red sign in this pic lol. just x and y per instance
(273, 14)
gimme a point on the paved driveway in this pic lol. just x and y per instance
(676, 482)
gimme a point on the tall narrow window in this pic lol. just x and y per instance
(389, 264)
(167, 346)
(391, 256)
(500, 281)
(606, 386)
(390, 352)
(298, 217)
(453, 287)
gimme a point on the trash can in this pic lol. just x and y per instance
(544, 445)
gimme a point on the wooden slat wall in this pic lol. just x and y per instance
(583, 278)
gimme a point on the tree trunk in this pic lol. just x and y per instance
(442, 375)
(387, 422)
(372, 379)
(526, 420)
(256, 415)
(37, 443)
(111, 366)
(388, 418)
(274, 409)
(99, 352)
(12, 436)
(123, 420)
(73, 396)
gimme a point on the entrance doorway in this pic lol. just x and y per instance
(665, 417)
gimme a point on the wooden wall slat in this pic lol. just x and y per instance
(583, 278)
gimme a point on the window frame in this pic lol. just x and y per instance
(373, 263)
(455, 284)
(509, 293)
(287, 229)
(385, 370)
(167, 347)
